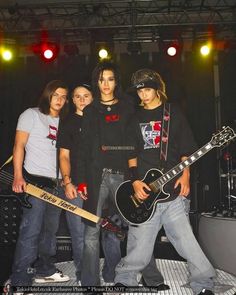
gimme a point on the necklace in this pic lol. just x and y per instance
(109, 106)
(107, 100)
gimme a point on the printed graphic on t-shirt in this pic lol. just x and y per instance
(151, 133)
(52, 133)
(112, 118)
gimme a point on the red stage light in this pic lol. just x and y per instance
(48, 54)
(47, 51)
(172, 50)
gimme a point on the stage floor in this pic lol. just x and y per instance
(174, 272)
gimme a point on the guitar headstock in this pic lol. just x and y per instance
(222, 137)
(109, 225)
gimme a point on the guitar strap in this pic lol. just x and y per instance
(164, 135)
(58, 181)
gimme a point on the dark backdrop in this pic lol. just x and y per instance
(189, 80)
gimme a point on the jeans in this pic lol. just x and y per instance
(37, 238)
(76, 228)
(151, 274)
(172, 216)
(111, 244)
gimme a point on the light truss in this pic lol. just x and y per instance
(119, 20)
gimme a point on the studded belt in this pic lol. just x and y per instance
(112, 171)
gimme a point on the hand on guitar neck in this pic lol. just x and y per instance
(37, 192)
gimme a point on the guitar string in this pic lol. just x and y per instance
(6, 177)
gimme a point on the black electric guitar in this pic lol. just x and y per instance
(137, 211)
(34, 188)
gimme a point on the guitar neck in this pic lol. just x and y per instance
(56, 201)
(184, 164)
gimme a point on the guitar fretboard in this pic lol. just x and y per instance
(181, 166)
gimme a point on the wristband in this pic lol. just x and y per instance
(133, 173)
(81, 187)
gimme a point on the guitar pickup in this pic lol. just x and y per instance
(136, 201)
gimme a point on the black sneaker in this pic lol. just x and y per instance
(206, 292)
(161, 287)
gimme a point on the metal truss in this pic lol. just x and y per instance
(124, 21)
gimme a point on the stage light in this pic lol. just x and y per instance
(171, 51)
(171, 48)
(205, 49)
(50, 51)
(7, 54)
(103, 53)
(47, 51)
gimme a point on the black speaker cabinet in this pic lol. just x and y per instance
(10, 216)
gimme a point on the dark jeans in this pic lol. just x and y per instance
(111, 244)
(37, 238)
(76, 227)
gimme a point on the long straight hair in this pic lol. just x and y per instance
(46, 97)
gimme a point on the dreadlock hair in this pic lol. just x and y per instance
(97, 74)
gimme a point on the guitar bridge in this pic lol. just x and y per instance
(136, 201)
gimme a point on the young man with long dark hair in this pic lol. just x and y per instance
(102, 165)
(35, 152)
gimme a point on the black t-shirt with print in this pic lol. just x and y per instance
(144, 133)
(69, 137)
(112, 137)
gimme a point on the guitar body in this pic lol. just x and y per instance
(7, 182)
(36, 180)
(131, 208)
